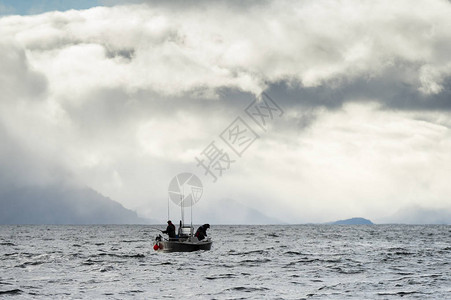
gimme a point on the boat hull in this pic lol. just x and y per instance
(177, 246)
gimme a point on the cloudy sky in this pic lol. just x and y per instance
(125, 95)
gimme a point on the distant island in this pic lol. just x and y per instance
(63, 205)
(352, 221)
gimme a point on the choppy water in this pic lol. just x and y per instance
(246, 262)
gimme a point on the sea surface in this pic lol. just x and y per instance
(246, 262)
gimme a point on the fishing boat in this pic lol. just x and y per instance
(185, 240)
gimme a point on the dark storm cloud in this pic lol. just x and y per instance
(389, 93)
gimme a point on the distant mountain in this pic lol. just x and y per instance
(62, 205)
(352, 221)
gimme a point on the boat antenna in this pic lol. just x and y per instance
(181, 205)
(168, 209)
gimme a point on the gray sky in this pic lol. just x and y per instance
(123, 98)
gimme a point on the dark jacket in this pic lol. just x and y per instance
(170, 230)
(201, 232)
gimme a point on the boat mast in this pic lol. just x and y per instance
(181, 205)
(168, 209)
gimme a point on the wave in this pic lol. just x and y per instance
(106, 269)
(255, 261)
(260, 252)
(30, 263)
(247, 289)
(7, 244)
(11, 292)
(401, 293)
(138, 255)
(293, 253)
(221, 276)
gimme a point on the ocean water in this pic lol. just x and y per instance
(246, 262)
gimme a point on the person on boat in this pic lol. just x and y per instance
(201, 232)
(170, 230)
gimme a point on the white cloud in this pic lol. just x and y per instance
(179, 50)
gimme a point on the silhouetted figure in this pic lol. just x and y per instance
(201, 232)
(170, 230)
